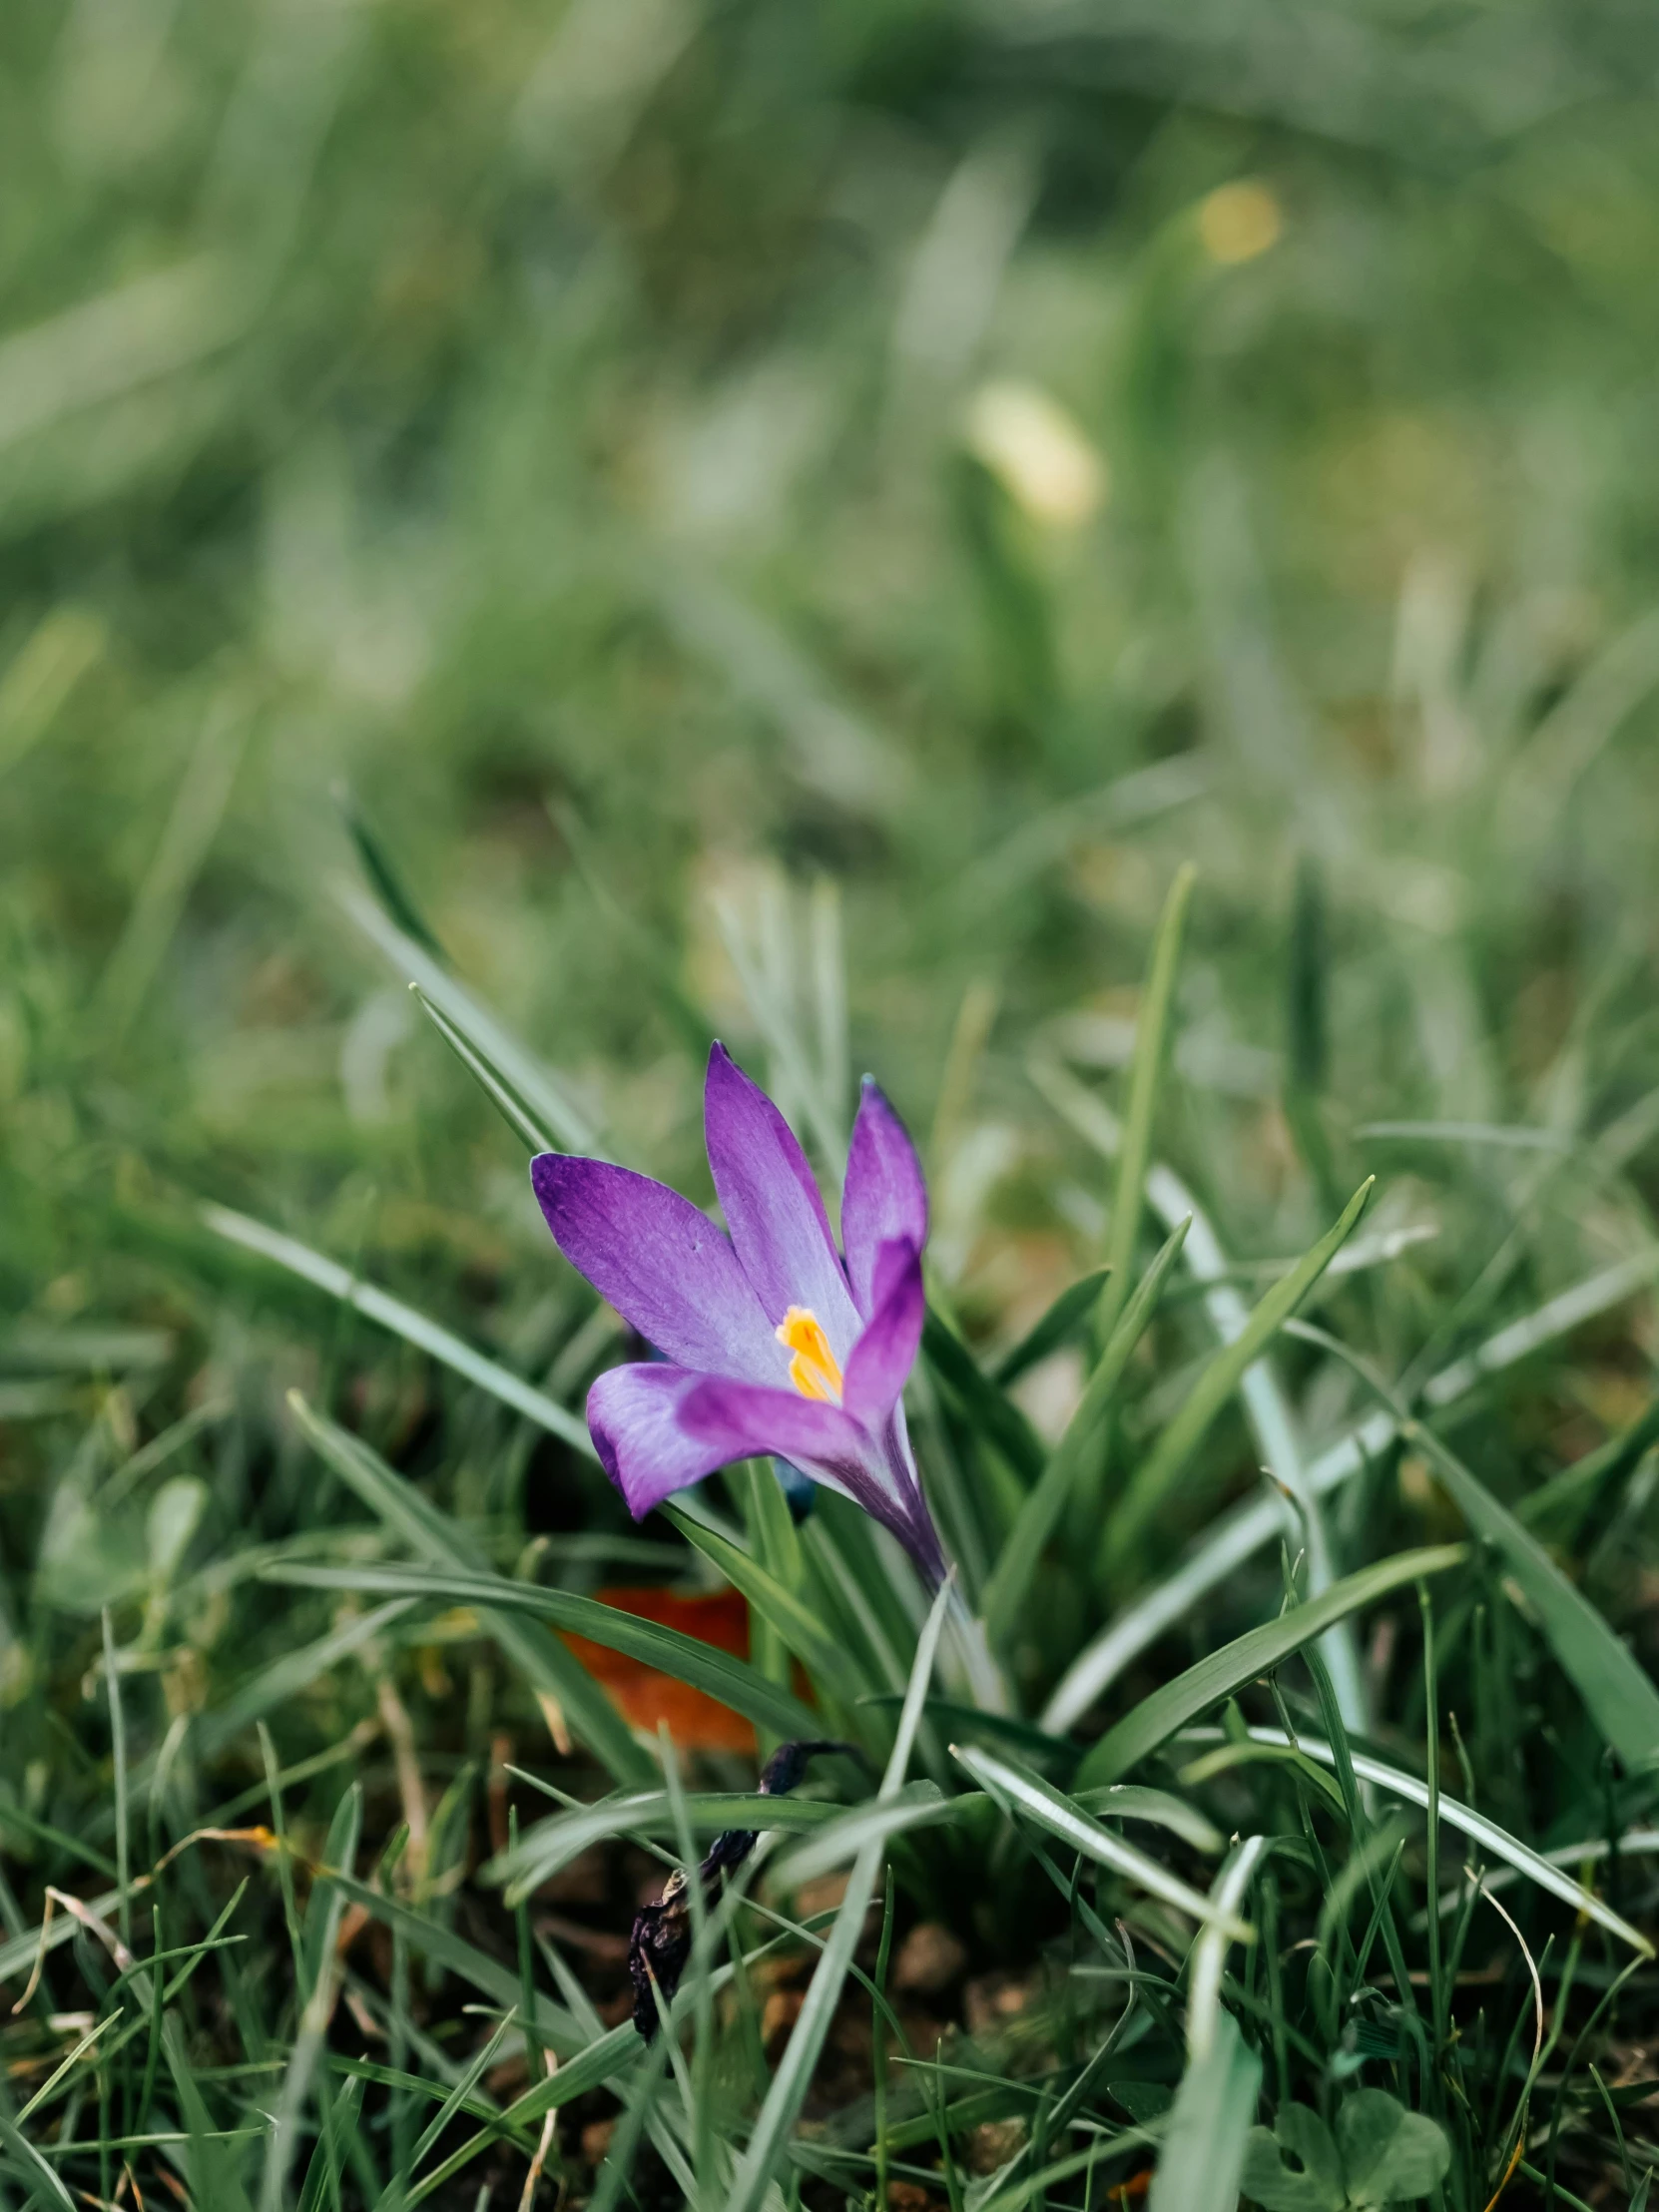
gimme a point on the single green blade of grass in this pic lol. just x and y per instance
(1203, 2148)
(384, 876)
(1061, 1816)
(1061, 1321)
(1084, 1440)
(1164, 1465)
(731, 1681)
(1128, 1801)
(1146, 1076)
(1222, 1673)
(982, 1401)
(523, 1074)
(551, 1670)
(489, 1080)
(818, 1652)
(44, 2185)
(402, 1321)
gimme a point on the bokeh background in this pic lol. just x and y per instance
(816, 489)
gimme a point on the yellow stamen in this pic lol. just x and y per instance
(813, 1370)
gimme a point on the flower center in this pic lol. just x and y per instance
(813, 1370)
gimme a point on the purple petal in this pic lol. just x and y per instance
(772, 1203)
(741, 1420)
(886, 1195)
(747, 1418)
(664, 1266)
(635, 1416)
(887, 1352)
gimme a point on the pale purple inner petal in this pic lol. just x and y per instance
(886, 1195)
(772, 1205)
(660, 1263)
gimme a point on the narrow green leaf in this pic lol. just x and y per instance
(1221, 1673)
(1062, 1320)
(403, 1320)
(1061, 1816)
(1164, 1465)
(1128, 1801)
(812, 1643)
(1146, 1075)
(982, 1401)
(494, 1085)
(45, 2186)
(732, 1681)
(1202, 2163)
(920, 1806)
(1069, 1462)
(384, 876)
(493, 1044)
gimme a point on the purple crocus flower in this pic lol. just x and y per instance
(771, 1343)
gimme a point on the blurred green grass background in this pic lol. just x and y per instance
(595, 435)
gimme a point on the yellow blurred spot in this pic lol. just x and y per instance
(1239, 221)
(1040, 455)
(813, 1370)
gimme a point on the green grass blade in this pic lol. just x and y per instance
(818, 1652)
(733, 1682)
(1204, 2149)
(1079, 1449)
(490, 1081)
(462, 2090)
(402, 1321)
(920, 1806)
(1146, 1075)
(551, 1670)
(1129, 1800)
(1227, 1893)
(1164, 1465)
(982, 1401)
(385, 879)
(1061, 1321)
(45, 2185)
(493, 1044)
(1040, 1801)
(1222, 1673)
